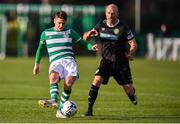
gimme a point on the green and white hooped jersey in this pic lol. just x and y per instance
(59, 44)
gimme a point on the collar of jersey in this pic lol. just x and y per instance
(113, 25)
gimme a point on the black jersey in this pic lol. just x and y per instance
(114, 40)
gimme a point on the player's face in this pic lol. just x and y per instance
(59, 23)
(111, 14)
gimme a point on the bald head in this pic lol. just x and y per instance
(112, 13)
(112, 6)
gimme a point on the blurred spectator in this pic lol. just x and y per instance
(163, 31)
(12, 29)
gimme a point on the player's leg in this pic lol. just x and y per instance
(71, 75)
(130, 91)
(101, 77)
(93, 93)
(124, 78)
(68, 83)
(54, 91)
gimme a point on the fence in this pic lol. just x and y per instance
(22, 24)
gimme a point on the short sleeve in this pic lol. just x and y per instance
(97, 26)
(128, 33)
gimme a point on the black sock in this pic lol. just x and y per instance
(132, 97)
(67, 91)
(92, 97)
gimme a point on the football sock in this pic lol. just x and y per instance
(64, 97)
(133, 97)
(92, 97)
(54, 91)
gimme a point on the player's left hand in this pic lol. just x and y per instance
(93, 33)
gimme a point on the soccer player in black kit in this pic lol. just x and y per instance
(115, 37)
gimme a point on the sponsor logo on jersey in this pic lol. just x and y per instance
(109, 36)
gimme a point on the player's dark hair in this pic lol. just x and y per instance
(61, 14)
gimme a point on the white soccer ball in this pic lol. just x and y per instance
(69, 108)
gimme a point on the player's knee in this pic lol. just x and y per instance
(128, 89)
(97, 81)
(54, 77)
(69, 82)
(68, 85)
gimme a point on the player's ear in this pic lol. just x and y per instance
(54, 20)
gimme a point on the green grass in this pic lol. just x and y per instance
(157, 84)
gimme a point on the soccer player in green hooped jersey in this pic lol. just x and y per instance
(59, 40)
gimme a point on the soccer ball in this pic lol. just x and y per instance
(69, 108)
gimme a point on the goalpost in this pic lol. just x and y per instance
(3, 32)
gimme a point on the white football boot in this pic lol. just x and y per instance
(59, 114)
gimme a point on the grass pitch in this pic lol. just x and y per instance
(157, 85)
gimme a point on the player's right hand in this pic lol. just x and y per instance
(36, 69)
(93, 33)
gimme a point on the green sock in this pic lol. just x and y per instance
(64, 97)
(54, 91)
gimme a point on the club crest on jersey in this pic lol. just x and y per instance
(116, 31)
(66, 35)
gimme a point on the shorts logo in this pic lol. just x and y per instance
(97, 71)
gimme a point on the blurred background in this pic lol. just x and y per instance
(155, 23)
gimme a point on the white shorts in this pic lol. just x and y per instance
(65, 67)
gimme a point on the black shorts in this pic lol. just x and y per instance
(120, 71)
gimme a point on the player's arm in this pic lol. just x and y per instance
(132, 50)
(131, 41)
(91, 33)
(39, 54)
(88, 45)
(78, 39)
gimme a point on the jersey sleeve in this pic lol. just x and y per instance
(75, 36)
(97, 27)
(43, 38)
(128, 33)
(77, 39)
(41, 48)
(85, 44)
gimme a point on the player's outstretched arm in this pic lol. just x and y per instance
(89, 46)
(91, 33)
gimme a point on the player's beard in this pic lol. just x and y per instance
(111, 21)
